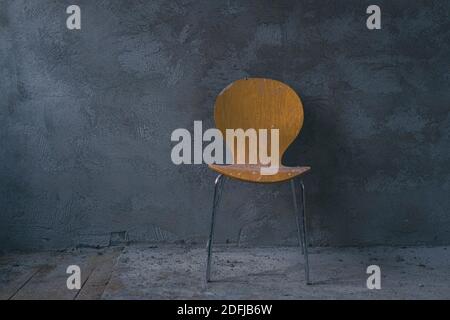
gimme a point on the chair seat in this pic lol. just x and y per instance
(252, 173)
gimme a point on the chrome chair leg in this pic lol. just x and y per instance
(303, 232)
(299, 230)
(217, 193)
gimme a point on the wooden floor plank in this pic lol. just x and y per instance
(99, 277)
(49, 282)
(16, 270)
(14, 280)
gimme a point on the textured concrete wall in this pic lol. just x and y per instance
(86, 118)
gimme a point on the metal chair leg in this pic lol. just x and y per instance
(303, 233)
(299, 230)
(217, 193)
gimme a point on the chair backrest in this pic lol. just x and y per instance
(260, 103)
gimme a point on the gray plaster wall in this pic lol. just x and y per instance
(86, 118)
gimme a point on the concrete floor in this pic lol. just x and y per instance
(177, 272)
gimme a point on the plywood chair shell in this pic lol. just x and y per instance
(259, 103)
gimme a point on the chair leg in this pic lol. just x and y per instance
(299, 230)
(217, 193)
(304, 232)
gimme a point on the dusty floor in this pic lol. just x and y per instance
(167, 272)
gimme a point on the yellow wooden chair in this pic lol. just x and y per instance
(260, 104)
